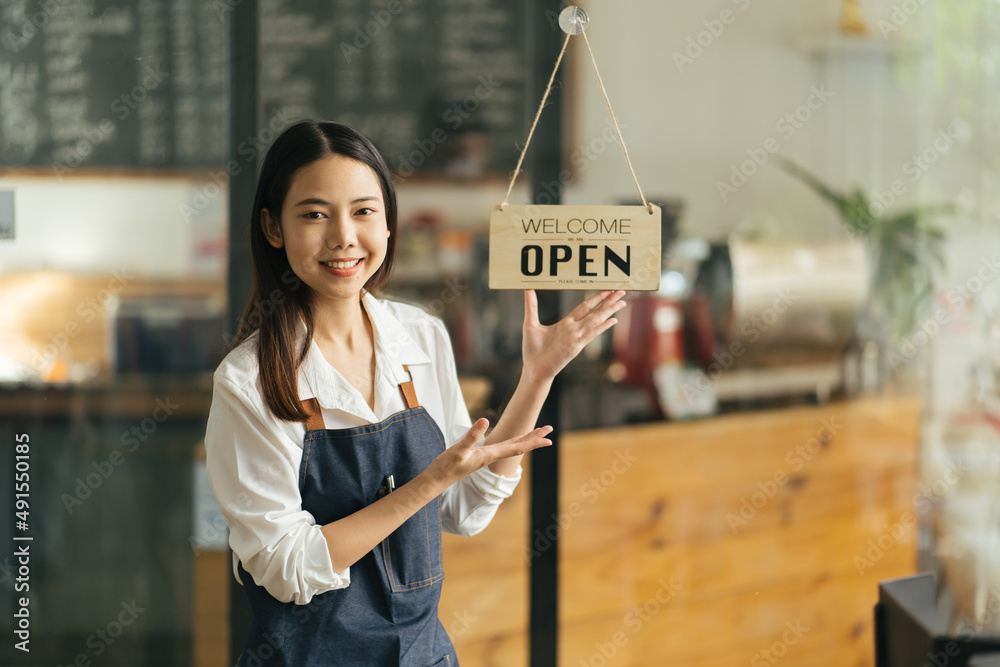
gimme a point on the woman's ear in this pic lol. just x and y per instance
(272, 229)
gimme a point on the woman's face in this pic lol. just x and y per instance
(333, 226)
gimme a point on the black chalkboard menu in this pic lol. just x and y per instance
(106, 83)
(438, 85)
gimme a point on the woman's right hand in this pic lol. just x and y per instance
(464, 458)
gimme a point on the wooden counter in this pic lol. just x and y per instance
(659, 566)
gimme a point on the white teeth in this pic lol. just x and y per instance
(341, 265)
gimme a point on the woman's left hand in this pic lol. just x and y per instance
(547, 349)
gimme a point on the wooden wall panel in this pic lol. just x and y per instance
(210, 617)
(645, 509)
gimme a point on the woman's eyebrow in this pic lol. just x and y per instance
(323, 202)
(313, 200)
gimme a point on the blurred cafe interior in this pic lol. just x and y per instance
(787, 454)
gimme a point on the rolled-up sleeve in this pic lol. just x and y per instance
(253, 471)
(470, 504)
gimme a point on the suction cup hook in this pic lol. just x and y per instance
(573, 20)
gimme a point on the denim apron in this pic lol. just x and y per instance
(388, 615)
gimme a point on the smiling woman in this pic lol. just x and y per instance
(302, 203)
(338, 442)
(329, 232)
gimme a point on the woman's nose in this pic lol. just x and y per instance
(341, 233)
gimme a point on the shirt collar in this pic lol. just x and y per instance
(391, 339)
(394, 348)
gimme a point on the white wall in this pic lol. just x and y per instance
(693, 122)
(148, 226)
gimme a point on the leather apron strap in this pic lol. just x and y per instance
(314, 422)
(409, 394)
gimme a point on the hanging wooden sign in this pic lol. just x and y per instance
(575, 247)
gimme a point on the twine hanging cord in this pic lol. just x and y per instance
(545, 96)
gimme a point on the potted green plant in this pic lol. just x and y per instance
(905, 249)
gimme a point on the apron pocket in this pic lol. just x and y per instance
(411, 555)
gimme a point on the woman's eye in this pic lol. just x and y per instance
(366, 211)
(313, 215)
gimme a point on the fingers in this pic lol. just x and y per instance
(519, 445)
(588, 304)
(598, 319)
(611, 303)
(541, 432)
(604, 299)
(606, 309)
(473, 435)
(601, 305)
(530, 307)
(597, 330)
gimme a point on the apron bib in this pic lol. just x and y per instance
(388, 615)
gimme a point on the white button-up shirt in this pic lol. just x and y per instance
(253, 457)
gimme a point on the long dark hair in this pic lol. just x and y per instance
(279, 300)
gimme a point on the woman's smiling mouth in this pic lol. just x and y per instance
(341, 264)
